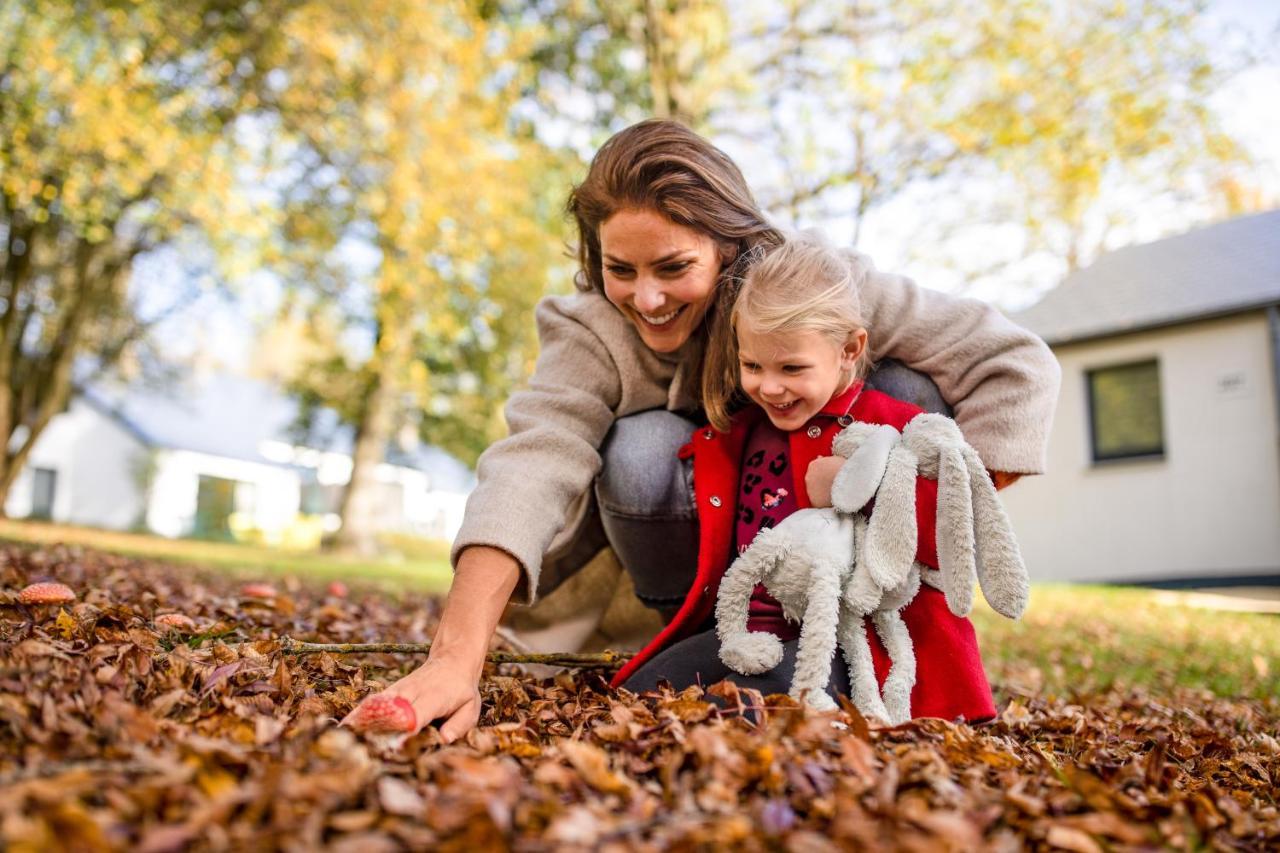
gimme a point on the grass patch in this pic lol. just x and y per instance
(424, 571)
(1087, 638)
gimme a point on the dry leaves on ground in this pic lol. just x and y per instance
(118, 733)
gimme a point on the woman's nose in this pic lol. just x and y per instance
(649, 295)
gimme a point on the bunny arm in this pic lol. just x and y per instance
(742, 650)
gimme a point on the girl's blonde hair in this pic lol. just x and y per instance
(803, 285)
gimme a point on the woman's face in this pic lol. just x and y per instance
(659, 274)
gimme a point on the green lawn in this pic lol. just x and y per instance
(424, 567)
(1072, 638)
(1082, 638)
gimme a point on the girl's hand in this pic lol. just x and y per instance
(819, 477)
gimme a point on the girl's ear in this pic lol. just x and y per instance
(854, 348)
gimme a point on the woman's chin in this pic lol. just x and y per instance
(662, 339)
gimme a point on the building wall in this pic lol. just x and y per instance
(172, 509)
(99, 466)
(1210, 507)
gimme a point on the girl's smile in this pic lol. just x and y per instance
(792, 375)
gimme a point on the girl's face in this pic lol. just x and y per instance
(659, 274)
(792, 375)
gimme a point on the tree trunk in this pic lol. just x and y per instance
(358, 533)
(659, 80)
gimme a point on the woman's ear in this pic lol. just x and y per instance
(727, 251)
(854, 348)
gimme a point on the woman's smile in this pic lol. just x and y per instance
(659, 274)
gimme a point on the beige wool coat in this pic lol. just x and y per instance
(534, 493)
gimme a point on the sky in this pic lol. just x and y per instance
(220, 332)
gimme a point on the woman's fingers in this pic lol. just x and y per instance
(436, 692)
(463, 720)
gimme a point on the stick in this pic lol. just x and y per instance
(607, 659)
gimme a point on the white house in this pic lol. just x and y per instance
(215, 458)
(1164, 460)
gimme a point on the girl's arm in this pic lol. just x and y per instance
(1001, 380)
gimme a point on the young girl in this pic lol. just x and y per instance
(801, 353)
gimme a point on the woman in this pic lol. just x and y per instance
(665, 224)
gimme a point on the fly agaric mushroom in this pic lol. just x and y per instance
(258, 590)
(337, 589)
(179, 621)
(383, 714)
(47, 593)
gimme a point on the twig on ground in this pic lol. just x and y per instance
(606, 659)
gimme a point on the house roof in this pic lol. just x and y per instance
(234, 416)
(1221, 269)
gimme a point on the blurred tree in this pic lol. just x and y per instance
(421, 225)
(117, 126)
(1056, 108)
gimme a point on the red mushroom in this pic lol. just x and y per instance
(258, 590)
(47, 593)
(383, 714)
(337, 589)
(179, 621)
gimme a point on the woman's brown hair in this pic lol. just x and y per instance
(664, 166)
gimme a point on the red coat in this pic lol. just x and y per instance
(950, 681)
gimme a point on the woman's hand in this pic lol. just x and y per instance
(446, 687)
(818, 478)
(440, 690)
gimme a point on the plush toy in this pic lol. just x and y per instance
(830, 568)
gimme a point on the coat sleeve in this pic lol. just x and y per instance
(1000, 379)
(527, 481)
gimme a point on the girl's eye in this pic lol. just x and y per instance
(749, 367)
(793, 368)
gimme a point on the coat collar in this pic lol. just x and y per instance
(838, 406)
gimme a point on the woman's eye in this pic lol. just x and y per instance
(619, 272)
(674, 269)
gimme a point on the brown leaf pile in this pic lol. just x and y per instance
(116, 733)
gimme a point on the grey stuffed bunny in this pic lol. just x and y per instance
(830, 568)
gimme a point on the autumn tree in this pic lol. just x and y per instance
(1045, 109)
(401, 114)
(117, 134)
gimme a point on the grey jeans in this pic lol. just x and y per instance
(645, 496)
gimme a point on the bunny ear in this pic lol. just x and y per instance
(892, 536)
(1001, 571)
(957, 554)
(860, 476)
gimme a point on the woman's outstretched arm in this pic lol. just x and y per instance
(446, 687)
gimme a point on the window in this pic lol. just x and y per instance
(44, 484)
(1124, 411)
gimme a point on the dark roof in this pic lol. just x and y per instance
(232, 416)
(1221, 269)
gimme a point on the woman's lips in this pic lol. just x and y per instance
(659, 321)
